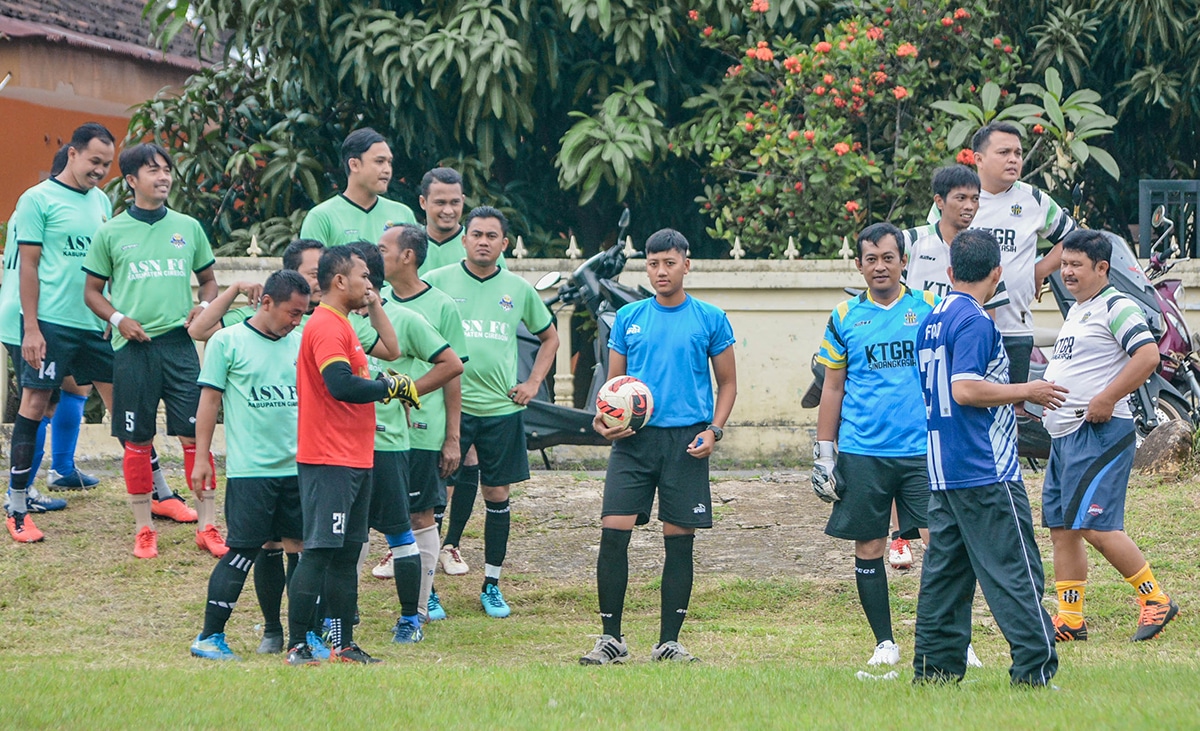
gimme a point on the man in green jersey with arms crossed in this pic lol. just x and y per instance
(434, 451)
(361, 211)
(250, 370)
(419, 343)
(492, 302)
(146, 257)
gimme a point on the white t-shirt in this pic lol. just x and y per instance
(1017, 217)
(929, 258)
(1095, 343)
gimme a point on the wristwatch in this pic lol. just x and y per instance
(717, 431)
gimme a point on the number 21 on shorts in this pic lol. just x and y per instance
(339, 524)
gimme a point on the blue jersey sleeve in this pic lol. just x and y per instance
(832, 353)
(616, 338)
(721, 336)
(975, 342)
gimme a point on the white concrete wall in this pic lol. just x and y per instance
(778, 310)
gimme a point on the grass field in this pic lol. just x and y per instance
(94, 639)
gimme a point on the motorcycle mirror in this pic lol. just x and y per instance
(623, 223)
(1156, 219)
(548, 280)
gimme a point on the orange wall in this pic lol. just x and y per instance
(32, 134)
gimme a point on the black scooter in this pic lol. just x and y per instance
(592, 286)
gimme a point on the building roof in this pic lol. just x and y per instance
(115, 26)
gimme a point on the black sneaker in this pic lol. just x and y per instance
(272, 644)
(353, 653)
(300, 654)
(1153, 617)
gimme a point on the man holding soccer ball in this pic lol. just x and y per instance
(667, 342)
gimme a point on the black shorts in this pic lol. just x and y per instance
(500, 443)
(261, 509)
(1019, 349)
(336, 502)
(426, 488)
(868, 485)
(70, 351)
(166, 369)
(389, 493)
(657, 458)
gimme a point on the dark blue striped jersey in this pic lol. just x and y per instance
(969, 446)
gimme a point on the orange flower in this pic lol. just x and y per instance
(819, 91)
(793, 135)
(708, 31)
(874, 33)
(966, 157)
(823, 47)
(878, 78)
(1038, 129)
(947, 22)
(900, 92)
(906, 49)
(765, 54)
(810, 135)
(841, 148)
(760, 6)
(792, 64)
(799, 187)
(693, 15)
(852, 206)
(960, 14)
(840, 103)
(828, 79)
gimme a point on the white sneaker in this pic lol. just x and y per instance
(385, 569)
(972, 658)
(900, 554)
(886, 653)
(451, 561)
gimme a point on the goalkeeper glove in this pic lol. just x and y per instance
(823, 483)
(400, 386)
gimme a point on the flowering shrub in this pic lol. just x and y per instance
(815, 140)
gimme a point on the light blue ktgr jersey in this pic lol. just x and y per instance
(668, 349)
(882, 410)
(969, 446)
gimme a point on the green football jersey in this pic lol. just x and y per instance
(149, 268)
(428, 424)
(450, 251)
(491, 310)
(61, 220)
(339, 221)
(239, 315)
(256, 375)
(10, 292)
(419, 342)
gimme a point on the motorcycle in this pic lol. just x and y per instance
(1162, 396)
(593, 286)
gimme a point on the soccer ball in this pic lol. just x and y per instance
(625, 401)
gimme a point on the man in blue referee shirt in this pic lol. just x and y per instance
(980, 526)
(668, 342)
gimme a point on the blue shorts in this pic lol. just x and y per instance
(1087, 476)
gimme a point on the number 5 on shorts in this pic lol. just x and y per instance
(129, 422)
(339, 524)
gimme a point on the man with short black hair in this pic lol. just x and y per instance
(335, 439)
(869, 355)
(980, 525)
(53, 223)
(492, 302)
(428, 359)
(145, 258)
(250, 371)
(1017, 214)
(1103, 353)
(434, 448)
(360, 211)
(669, 342)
